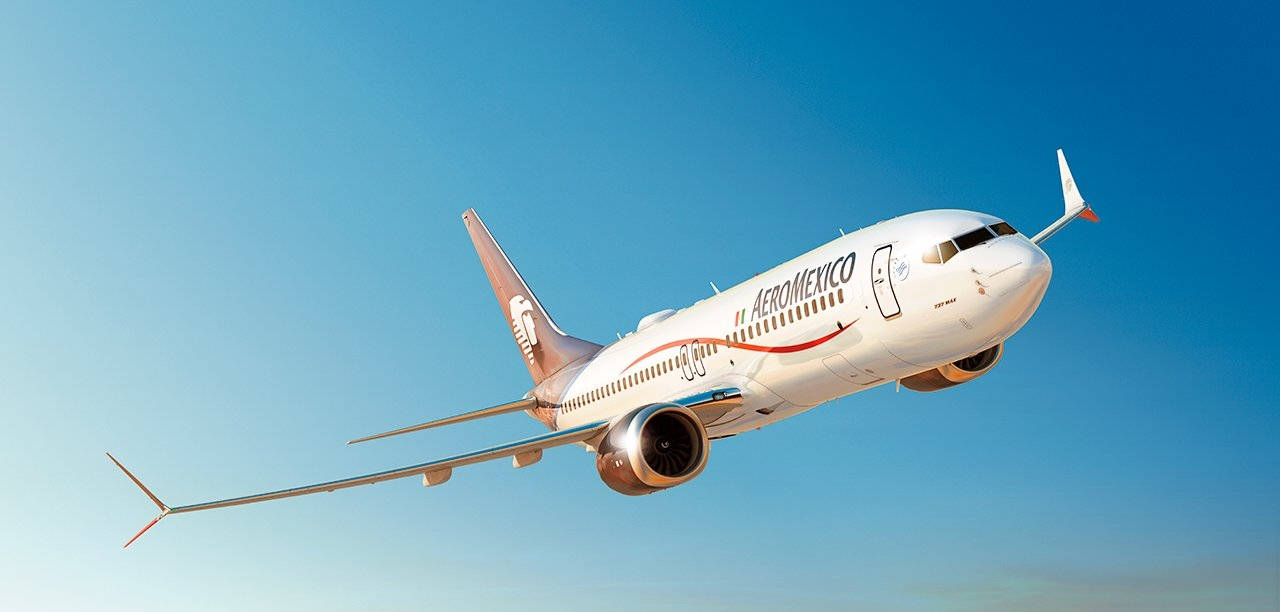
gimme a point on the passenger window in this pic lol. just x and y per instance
(1003, 229)
(973, 239)
(791, 316)
(948, 250)
(806, 309)
(840, 294)
(931, 255)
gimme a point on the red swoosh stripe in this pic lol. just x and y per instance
(790, 348)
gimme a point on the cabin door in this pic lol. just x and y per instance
(882, 283)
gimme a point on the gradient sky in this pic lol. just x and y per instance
(230, 241)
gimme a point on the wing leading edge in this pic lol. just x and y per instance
(432, 472)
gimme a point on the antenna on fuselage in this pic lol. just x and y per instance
(714, 287)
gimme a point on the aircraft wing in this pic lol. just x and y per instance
(436, 472)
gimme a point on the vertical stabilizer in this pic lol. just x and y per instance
(544, 348)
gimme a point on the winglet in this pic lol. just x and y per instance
(144, 529)
(164, 510)
(1073, 203)
(1071, 198)
(1070, 191)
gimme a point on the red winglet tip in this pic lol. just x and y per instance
(144, 529)
(1089, 215)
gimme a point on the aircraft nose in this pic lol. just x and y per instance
(1012, 266)
(1013, 274)
(1039, 268)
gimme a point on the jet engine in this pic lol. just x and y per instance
(656, 447)
(956, 372)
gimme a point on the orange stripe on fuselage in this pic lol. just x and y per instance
(790, 348)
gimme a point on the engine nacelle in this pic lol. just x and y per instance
(656, 447)
(956, 372)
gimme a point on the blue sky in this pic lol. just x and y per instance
(230, 240)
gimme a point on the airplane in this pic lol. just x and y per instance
(925, 300)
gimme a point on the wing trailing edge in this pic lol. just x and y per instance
(432, 472)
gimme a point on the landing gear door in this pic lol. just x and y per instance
(881, 283)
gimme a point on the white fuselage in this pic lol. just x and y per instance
(819, 327)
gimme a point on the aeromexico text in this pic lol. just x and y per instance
(806, 284)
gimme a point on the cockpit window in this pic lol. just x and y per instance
(940, 253)
(944, 251)
(1003, 229)
(972, 239)
(931, 255)
(948, 249)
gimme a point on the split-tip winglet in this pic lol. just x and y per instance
(164, 510)
(1074, 205)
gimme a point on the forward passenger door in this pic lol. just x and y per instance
(882, 282)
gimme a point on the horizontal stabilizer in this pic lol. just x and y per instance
(516, 406)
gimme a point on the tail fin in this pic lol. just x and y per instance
(545, 348)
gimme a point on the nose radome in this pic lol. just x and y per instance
(999, 258)
(1014, 274)
(1012, 264)
(1028, 279)
(1040, 268)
